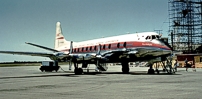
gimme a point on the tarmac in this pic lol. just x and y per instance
(27, 82)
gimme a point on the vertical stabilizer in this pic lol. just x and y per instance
(59, 39)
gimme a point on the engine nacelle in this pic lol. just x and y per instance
(132, 52)
(60, 55)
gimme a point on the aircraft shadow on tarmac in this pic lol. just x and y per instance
(42, 75)
(130, 73)
(85, 73)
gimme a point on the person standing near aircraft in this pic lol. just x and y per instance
(189, 65)
(186, 64)
(176, 64)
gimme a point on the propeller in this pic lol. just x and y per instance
(98, 56)
(70, 53)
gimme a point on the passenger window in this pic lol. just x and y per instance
(124, 44)
(90, 48)
(74, 50)
(118, 45)
(103, 46)
(95, 48)
(86, 48)
(109, 46)
(78, 50)
(82, 49)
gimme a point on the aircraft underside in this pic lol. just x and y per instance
(124, 60)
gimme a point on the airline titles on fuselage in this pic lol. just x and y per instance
(147, 44)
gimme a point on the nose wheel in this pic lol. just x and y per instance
(150, 70)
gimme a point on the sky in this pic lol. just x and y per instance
(35, 21)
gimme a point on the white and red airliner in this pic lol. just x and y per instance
(122, 49)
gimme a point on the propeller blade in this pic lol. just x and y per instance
(97, 64)
(70, 64)
(99, 48)
(98, 55)
(71, 47)
(70, 52)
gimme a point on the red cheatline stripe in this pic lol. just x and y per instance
(129, 45)
(60, 38)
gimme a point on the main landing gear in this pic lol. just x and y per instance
(125, 66)
(77, 70)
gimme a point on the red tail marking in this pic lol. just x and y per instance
(60, 38)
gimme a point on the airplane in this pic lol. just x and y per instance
(143, 46)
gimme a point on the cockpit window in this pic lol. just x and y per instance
(157, 36)
(148, 37)
(153, 37)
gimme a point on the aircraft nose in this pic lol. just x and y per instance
(166, 44)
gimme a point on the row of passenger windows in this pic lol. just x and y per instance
(95, 47)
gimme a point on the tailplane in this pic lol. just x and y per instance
(59, 38)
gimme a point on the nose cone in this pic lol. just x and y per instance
(166, 44)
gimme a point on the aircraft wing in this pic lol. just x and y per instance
(28, 53)
(43, 47)
(119, 51)
(54, 55)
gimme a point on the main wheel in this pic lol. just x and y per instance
(125, 69)
(150, 71)
(78, 71)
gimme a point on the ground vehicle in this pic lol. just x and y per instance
(49, 66)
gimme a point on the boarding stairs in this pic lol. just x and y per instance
(102, 67)
(168, 66)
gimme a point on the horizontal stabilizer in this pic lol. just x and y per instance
(43, 47)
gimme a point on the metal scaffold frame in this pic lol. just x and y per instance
(185, 24)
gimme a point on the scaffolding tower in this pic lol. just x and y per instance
(185, 24)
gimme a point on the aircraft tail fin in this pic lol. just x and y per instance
(59, 38)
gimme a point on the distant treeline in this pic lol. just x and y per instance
(20, 62)
(26, 62)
